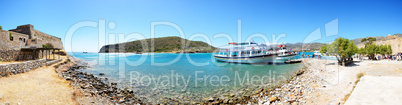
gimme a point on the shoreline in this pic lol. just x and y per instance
(311, 84)
(89, 89)
(231, 96)
(294, 91)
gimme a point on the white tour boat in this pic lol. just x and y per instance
(284, 54)
(248, 52)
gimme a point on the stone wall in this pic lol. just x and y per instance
(20, 67)
(394, 40)
(5, 42)
(44, 38)
(18, 55)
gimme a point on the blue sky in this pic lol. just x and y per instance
(295, 18)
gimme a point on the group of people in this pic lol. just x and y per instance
(397, 57)
(312, 56)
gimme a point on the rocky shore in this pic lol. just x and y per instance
(298, 89)
(90, 89)
(294, 91)
(93, 89)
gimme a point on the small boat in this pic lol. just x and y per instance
(284, 54)
(247, 52)
(84, 52)
(317, 53)
(138, 53)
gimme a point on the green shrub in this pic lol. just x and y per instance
(47, 45)
(1, 28)
(11, 36)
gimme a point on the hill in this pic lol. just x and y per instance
(357, 40)
(308, 47)
(164, 44)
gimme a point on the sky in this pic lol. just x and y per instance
(87, 25)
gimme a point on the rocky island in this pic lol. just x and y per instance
(171, 44)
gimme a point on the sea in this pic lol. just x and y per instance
(159, 77)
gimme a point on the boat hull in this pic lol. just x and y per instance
(254, 59)
(282, 59)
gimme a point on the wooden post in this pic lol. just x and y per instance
(59, 54)
(53, 53)
(33, 55)
(47, 55)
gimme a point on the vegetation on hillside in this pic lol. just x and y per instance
(164, 44)
(1, 28)
(342, 48)
(307, 47)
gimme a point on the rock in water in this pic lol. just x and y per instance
(211, 99)
(101, 74)
(273, 99)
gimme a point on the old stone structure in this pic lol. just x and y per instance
(23, 37)
(394, 40)
(20, 67)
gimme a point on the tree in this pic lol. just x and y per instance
(362, 51)
(372, 50)
(342, 48)
(389, 50)
(1, 28)
(383, 50)
(369, 40)
(323, 49)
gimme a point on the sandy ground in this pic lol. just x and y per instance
(377, 90)
(338, 81)
(40, 86)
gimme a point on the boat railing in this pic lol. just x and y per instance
(244, 53)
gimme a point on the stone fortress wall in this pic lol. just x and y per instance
(394, 40)
(24, 36)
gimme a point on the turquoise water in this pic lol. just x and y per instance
(311, 56)
(190, 77)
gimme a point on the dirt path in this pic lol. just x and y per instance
(41, 86)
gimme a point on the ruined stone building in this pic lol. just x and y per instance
(21, 43)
